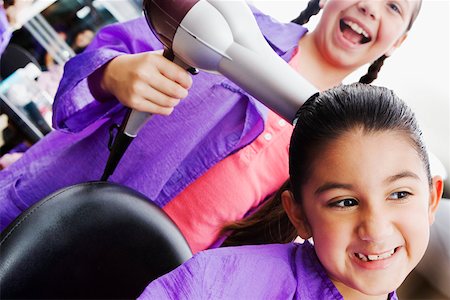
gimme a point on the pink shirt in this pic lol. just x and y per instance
(259, 168)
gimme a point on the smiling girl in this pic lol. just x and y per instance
(351, 33)
(361, 191)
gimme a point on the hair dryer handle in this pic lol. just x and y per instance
(131, 124)
(128, 130)
(134, 120)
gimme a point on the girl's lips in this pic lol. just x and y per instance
(351, 34)
(372, 257)
(354, 32)
(362, 27)
(377, 261)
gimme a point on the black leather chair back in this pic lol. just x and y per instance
(94, 240)
(13, 58)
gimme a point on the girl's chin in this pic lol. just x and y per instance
(379, 285)
(373, 278)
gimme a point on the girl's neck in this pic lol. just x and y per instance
(315, 68)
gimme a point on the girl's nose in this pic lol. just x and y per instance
(369, 8)
(375, 227)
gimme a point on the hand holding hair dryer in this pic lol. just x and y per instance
(220, 37)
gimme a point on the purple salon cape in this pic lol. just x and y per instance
(276, 271)
(5, 31)
(170, 152)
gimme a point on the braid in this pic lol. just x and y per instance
(312, 9)
(374, 68)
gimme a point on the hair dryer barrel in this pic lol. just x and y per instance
(268, 78)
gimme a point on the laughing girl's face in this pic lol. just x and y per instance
(352, 33)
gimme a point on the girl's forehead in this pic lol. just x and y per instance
(360, 161)
(362, 140)
(360, 152)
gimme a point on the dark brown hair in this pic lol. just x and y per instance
(323, 118)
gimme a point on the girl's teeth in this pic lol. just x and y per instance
(374, 257)
(355, 27)
(362, 257)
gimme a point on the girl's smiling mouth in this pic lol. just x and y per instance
(354, 32)
(374, 257)
(375, 261)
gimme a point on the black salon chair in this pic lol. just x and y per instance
(94, 240)
(13, 58)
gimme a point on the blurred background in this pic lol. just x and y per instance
(45, 34)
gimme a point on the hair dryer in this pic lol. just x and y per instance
(221, 37)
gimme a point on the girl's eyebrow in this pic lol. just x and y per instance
(332, 185)
(404, 174)
(336, 185)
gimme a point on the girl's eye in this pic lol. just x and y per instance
(399, 195)
(344, 203)
(395, 7)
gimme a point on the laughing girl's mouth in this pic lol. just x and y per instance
(374, 257)
(354, 32)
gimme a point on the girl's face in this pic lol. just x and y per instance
(369, 207)
(352, 33)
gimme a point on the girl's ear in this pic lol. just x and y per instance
(435, 196)
(322, 3)
(397, 44)
(296, 215)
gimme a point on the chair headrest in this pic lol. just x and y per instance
(91, 240)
